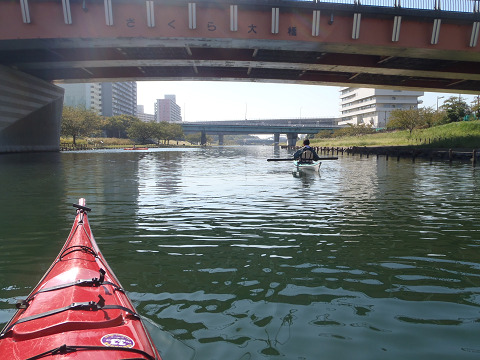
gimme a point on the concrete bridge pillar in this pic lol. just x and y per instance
(31, 113)
(276, 139)
(292, 139)
(220, 139)
(203, 139)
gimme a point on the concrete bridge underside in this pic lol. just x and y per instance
(268, 41)
(30, 113)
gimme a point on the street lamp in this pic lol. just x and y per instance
(439, 97)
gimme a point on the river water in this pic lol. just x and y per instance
(238, 258)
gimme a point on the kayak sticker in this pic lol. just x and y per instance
(117, 340)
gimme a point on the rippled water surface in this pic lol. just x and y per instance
(235, 257)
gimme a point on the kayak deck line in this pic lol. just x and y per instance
(86, 306)
(66, 349)
(94, 282)
(78, 306)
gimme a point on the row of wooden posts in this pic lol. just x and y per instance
(401, 152)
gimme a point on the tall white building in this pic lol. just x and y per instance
(373, 106)
(167, 110)
(107, 99)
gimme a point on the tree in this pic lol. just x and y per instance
(354, 130)
(456, 109)
(78, 121)
(175, 132)
(194, 138)
(406, 119)
(432, 117)
(117, 126)
(476, 107)
(141, 132)
(168, 131)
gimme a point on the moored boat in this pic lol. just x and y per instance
(136, 148)
(78, 310)
(308, 166)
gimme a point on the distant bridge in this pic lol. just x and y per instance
(291, 127)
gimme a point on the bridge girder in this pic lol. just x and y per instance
(172, 49)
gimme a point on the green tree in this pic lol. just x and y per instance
(456, 109)
(117, 126)
(175, 132)
(433, 118)
(141, 132)
(476, 107)
(354, 130)
(406, 119)
(324, 134)
(194, 138)
(158, 131)
(78, 121)
(168, 131)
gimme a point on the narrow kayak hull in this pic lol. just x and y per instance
(313, 166)
(78, 310)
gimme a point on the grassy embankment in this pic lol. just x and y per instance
(111, 143)
(450, 136)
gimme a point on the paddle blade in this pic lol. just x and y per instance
(322, 158)
(280, 159)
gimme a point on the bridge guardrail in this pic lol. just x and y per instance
(459, 6)
(467, 6)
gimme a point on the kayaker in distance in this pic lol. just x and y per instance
(306, 154)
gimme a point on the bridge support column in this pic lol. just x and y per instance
(292, 139)
(31, 113)
(203, 138)
(276, 139)
(220, 139)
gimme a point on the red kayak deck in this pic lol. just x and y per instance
(79, 310)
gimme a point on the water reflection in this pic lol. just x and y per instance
(240, 258)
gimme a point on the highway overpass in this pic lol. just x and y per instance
(291, 127)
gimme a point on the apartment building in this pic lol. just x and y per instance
(107, 99)
(167, 110)
(373, 106)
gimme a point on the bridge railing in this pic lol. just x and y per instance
(460, 6)
(466, 6)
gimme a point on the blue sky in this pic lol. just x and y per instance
(222, 100)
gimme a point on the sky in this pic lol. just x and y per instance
(222, 100)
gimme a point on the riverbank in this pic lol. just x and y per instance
(455, 141)
(412, 152)
(459, 135)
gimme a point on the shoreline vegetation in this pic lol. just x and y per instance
(453, 141)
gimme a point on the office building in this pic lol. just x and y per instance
(167, 110)
(373, 106)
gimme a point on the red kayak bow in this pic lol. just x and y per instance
(78, 310)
